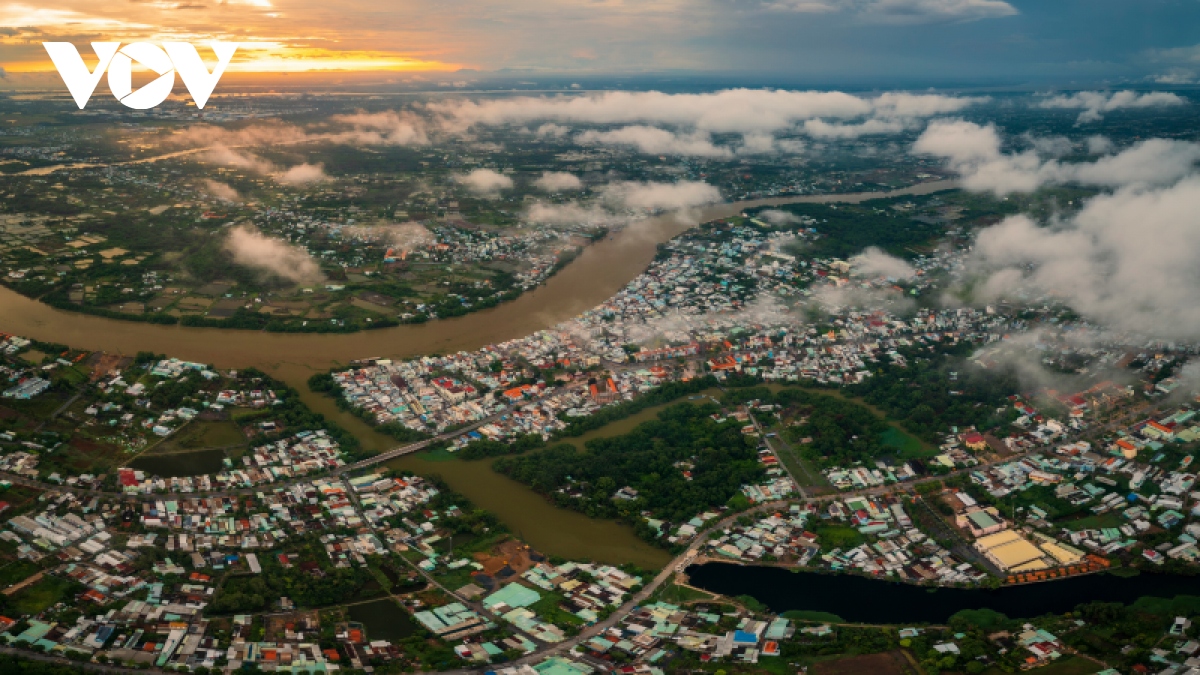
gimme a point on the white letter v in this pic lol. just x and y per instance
(74, 72)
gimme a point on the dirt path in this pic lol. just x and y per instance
(29, 581)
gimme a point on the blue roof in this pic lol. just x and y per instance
(742, 637)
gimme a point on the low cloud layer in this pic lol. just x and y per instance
(252, 248)
(1127, 260)
(659, 123)
(660, 196)
(303, 174)
(974, 152)
(485, 182)
(901, 11)
(1094, 104)
(874, 262)
(300, 174)
(620, 203)
(382, 128)
(654, 141)
(558, 181)
(221, 191)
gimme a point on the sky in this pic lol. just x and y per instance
(887, 43)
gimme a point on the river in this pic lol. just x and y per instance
(594, 276)
(858, 599)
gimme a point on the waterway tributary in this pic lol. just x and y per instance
(595, 275)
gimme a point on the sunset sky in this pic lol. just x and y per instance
(1062, 42)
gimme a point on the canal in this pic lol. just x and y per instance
(858, 599)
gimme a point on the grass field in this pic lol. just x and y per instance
(832, 536)
(812, 615)
(887, 663)
(673, 594)
(203, 434)
(906, 445)
(16, 571)
(1097, 522)
(548, 609)
(39, 596)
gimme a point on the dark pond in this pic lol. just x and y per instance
(176, 464)
(383, 619)
(861, 600)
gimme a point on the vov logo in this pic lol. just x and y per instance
(178, 57)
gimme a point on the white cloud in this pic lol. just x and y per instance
(902, 11)
(485, 181)
(221, 191)
(551, 130)
(383, 128)
(227, 156)
(300, 174)
(558, 181)
(252, 248)
(821, 129)
(974, 152)
(1095, 103)
(655, 141)
(1127, 259)
(303, 174)
(874, 262)
(1049, 146)
(1099, 145)
(621, 203)
(660, 196)
(574, 214)
(727, 111)
(779, 217)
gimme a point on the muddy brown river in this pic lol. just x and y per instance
(596, 274)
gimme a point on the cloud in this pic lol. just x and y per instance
(618, 200)
(252, 248)
(974, 152)
(208, 135)
(221, 191)
(874, 262)
(822, 129)
(836, 299)
(1095, 103)
(1050, 146)
(1099, 145)
(660, 196)
(403, 237)
(1127, 260)
(551, 130)
(727, 111)
(383, 128)
(227, 156)
(1022, 354)
(303, 174)
(558, 181)
(655, 141)
(485, 181)
(779, 217)
(901, 11)
(300, 174)
(1175, 76)
(562, 215)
